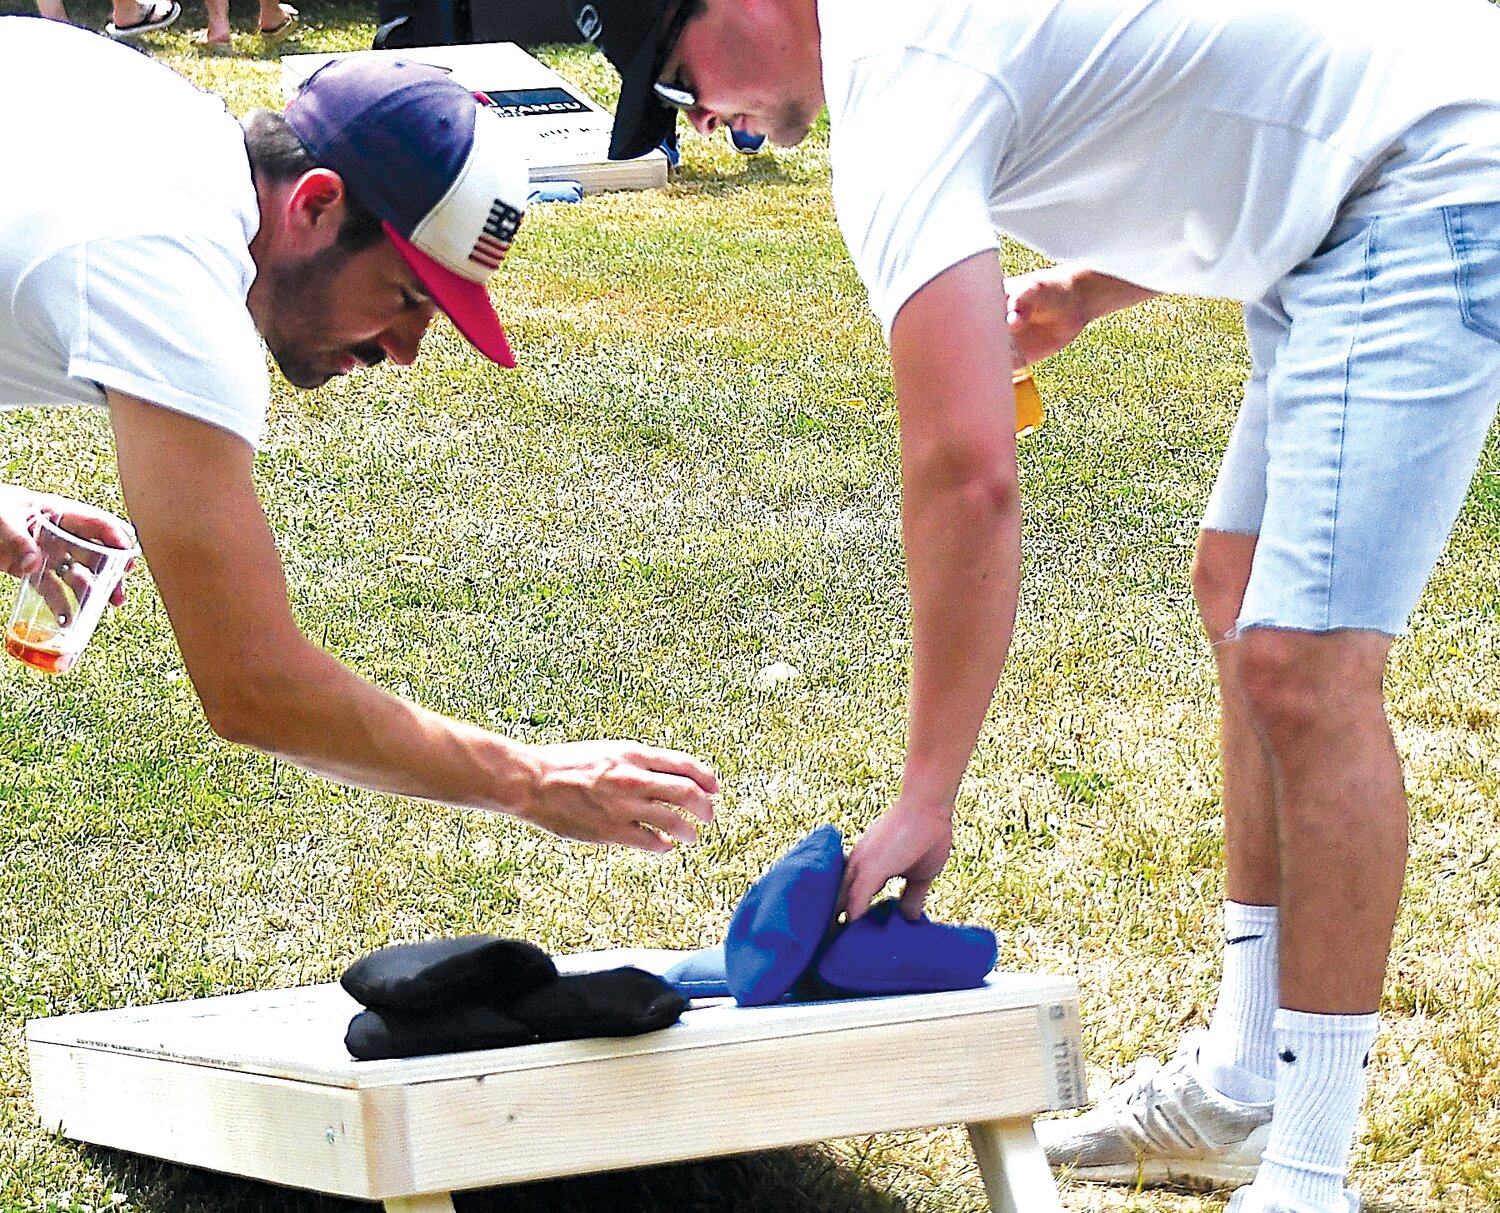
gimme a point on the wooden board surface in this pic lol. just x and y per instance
(259, 1084)
(298, 1033)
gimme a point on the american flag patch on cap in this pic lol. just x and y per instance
(499, 231)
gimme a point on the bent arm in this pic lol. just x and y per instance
(961, 524)
(262, 683)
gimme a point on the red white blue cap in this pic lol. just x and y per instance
(439, 169)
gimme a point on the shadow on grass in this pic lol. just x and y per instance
(755, 173)
(804, 1178)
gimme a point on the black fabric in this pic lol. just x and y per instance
(528, 22)
(406, 23)
(436, 974)
(616, 1002)
(381, 1035)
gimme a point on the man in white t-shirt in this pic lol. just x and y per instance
(1336, 166)
(139, 271)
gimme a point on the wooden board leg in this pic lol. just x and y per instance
(1016, 1175)
(432, 1202)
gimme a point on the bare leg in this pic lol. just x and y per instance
(53, 10)
(1317, 701)
(1252, 859)
(218, 21)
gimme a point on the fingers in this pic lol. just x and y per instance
(665, 780)
(62, 587)
(686, 795)
(87, 522)
(643, 838)
(19, 554)
(914, 898)
(26, 547)
(620, 792)
(674, 762)
(72, 574)
(666, 822)
(862, 886)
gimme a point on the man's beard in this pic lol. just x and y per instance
(300, 299)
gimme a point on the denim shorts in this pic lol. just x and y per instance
(1375, 370)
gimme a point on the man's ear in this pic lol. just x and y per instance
(315, 208)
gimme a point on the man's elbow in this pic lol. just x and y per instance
(988, 486)
(996, 492)
(242, 719)
(248, 704)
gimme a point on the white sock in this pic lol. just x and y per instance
(1241, 1038)
(1320, 1085)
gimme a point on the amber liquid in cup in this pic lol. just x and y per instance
(1028, 400)
(59, 603)
(38, 648)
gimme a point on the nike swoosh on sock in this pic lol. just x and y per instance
(1242, 939)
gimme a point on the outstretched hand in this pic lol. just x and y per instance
(906, 840)
(19, 510)
(621, 792)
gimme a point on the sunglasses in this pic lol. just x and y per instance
(675, 93)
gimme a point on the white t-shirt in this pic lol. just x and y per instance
(126, 214)
(1193, 146)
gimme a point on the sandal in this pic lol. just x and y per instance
(280, 32)
(154, 19)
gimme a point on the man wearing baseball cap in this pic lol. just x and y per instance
(336, 232)
(1336, 168)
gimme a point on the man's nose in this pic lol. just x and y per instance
(705, 122)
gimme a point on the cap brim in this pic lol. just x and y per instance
(465, 303)
(641, 120)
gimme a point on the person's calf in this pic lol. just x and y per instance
(1340, 810)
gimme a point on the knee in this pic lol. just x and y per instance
(1299, 682)
(1277, 691)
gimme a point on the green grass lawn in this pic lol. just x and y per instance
(695, 475)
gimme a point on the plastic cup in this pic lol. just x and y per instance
(1028, 400)
(61, 603)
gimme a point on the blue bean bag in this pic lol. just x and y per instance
(700, 974)
(779, 924)
(882, 953)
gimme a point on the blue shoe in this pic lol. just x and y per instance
(700, 974)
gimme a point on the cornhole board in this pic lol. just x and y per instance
(259, 1085)
(560, 130)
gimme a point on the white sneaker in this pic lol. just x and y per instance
(1247, 1200)
(1163, 1124)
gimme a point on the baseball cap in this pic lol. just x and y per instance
(433, 164)
(631, 34)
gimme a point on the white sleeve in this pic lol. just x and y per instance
(165, 320)
(916, 142)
